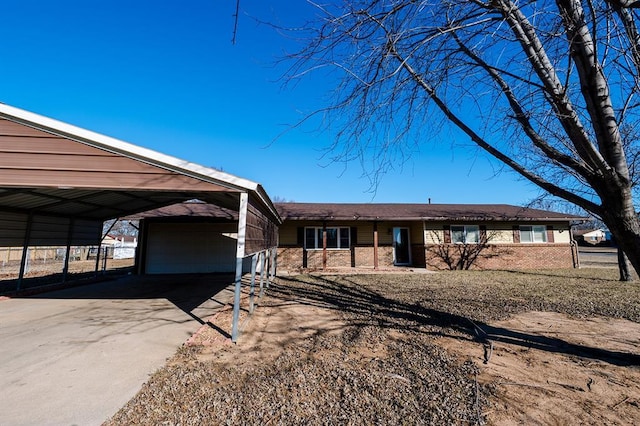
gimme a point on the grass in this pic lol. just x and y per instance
(384, 366)
(494, 295)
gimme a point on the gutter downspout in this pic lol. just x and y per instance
(324, 245)
(575, 254)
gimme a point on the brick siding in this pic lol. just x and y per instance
(364, 257)
(514, 256)
(503, 256)
(294, 258)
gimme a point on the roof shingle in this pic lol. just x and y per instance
(428, 212)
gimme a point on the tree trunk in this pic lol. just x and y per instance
(625, 228)
(623, 266)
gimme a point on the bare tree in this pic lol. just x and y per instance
(119, 228)
(548, 88)
(543, 202)
(281, 199)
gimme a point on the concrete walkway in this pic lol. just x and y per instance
(78, 355)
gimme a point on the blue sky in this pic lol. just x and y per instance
(165, 75)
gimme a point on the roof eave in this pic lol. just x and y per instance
(501, 219)
(433, 218)
(264, 198)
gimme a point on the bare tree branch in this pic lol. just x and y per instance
(543, 67)
(481, 142)
(548, 88)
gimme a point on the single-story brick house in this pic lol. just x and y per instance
(432, 236)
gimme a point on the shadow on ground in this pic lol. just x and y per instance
(185, 291)
(369, 308)
(55, 281)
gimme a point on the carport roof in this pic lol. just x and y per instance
(53, 168)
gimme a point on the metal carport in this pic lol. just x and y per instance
(59, 183)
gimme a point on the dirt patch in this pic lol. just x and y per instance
(300, 361)
(544, 385)
(530, 385)
(271, 329)
(405, 349)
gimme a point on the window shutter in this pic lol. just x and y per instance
(550, 234)
(483, 234)
(447, 234)
(354, 235)
(516, 234)
(301, 236)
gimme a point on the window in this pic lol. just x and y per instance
(533, 234)
(465, 234)
(337, 238)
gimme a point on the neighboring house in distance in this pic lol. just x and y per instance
(320, 236)
(121, 246)
(590, 236)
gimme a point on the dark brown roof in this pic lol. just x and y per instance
(431, 212)
(194, 208)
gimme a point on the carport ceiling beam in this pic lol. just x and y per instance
(7, 192)
(120, 212)
(61, 201)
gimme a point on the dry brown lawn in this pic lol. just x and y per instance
(533, 347)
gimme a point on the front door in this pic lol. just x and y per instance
(401, 246)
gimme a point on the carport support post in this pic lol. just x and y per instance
(242, 235)
(65, 269)
(274, 262)
(272, 265)
(104, 259)
(252, 292)
(25, 251)
(98, 259)
(263, 263)
(267, 266)
(102, 237)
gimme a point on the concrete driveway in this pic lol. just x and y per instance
(76, 356)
